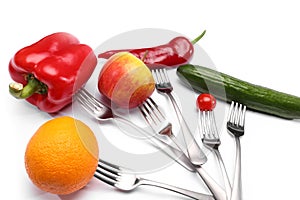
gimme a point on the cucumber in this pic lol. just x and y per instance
(228, 88)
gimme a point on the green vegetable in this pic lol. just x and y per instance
(228, 88)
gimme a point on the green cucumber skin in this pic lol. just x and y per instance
(255, 97)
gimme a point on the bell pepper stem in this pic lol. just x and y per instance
(194, 41)
(33, 86)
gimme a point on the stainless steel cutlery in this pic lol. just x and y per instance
(164, 86)
(184, 155)
(160, 125)
(103, 113)
(211, 139)
(236, 127)
(127, 180)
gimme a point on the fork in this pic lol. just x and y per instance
(236, 126)
(211, 139)
(126, 180)
(93, 105)
(163, 85)
(104, 113)
(157, 121)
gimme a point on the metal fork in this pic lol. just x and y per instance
(104, 113)
(126, 180)
(163, 85)
(211, 139)
(158, 122)
(93, 105)
(236, 126)
(160, 125)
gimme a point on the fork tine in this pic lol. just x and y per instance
(105, 179)
(164, 71)
(151, 112)
(81, 99)
(156, 110)
(155, 118)
(202, 118)
(204, 121)
(155, 76)
(231, 113)
(238, 110)
(208, 124)
(144, 108)
(237, 114)
(107, 172)
(162, 75)
(109, 166)
(162, 79)
(88, 101)
(91, 99)
(213, 125)
(242, 114)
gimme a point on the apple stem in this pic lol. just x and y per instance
(145, 54)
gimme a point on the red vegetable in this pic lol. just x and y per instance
(178, 51)
(206, 102)
(51, 70)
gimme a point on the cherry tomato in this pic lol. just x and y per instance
(206, 102)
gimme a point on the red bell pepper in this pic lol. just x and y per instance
(50, 71)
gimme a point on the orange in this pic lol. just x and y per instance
(62, 155)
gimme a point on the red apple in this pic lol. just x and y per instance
(126, 80)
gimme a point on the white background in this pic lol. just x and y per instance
(257, 41)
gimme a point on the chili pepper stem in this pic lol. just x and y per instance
(33, 86)
(194, 41)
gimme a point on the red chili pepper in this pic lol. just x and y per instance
(50, 71)
(177, 52)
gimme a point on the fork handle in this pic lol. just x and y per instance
(215, 189)
(194, 151)
(185, 192)
(224, 173)
(171, 151)
(236, 193)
